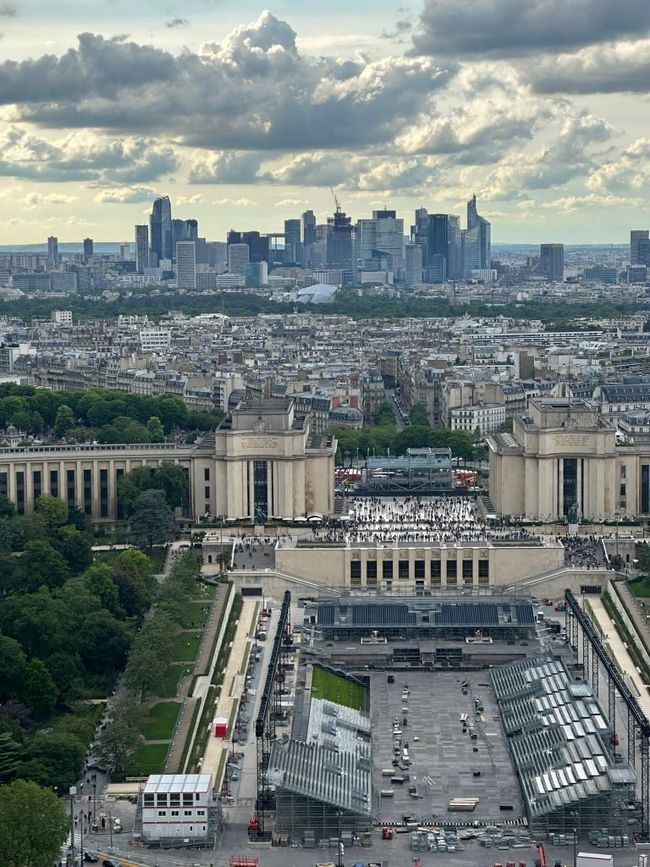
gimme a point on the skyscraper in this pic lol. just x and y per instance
(186, 264)
(339, 241)
(160, 224)
(551, 260)
(238, 258)
(413, 264)
(380, 238)
(637, 235)
(308, 228)
(141, 248)
(291, 241)
(52, 251)
(258, 245)
(476, 241)
(89, 249)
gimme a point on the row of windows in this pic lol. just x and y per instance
(174, 799)
(419, 570)
(185, 812)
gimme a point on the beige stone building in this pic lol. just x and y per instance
(565, 459)
(262, 461)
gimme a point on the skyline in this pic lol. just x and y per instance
(252, 125)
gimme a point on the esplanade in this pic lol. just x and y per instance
(262, 461)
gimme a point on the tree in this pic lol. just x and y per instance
(9, 756)
(121, 736)
(133, 575)
(152, 520)
(39, 690)
(155, 429)
(168, 477)
(98, 578)
(643, 554)
(33, 825)
(74, 546)
(13, 665)
(64, 421)
(7, 508)
(105, 642)
(53, 510)
(42, 566)
(53, 759)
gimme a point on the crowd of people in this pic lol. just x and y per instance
(587, 552)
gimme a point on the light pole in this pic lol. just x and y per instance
(575, 847)
(110, 828)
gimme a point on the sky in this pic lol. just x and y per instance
(246, 116)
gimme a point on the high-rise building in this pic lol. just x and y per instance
(636, 236)
(476, 241)
(291, 241)
(191, 230)
(89, 249)
(644, 251)
(257, 274)
(454, 248)
(258, 245)
(339, 241)
(52, 251)
(141, 248)
(380, 239)
(160, 224)
(238, 258)
(308, 228)
(439, 237)
(186, 264)
(413, 264)
(551, 261)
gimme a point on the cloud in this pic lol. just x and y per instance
(196, 199)
(402, 27)
(8, 10)
(242, 202)
(571, 204)
(177, 22)
(83, 157)
(629, 173)
(36, 200)
(226, 167)
(617, 67)
(572, 154)
(125, 195)
(254, 91)
(510, 28)
(286, 203)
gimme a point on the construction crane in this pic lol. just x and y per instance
(336, 201)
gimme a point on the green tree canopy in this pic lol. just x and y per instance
(152, 520)
(33, 825)
(42, 566)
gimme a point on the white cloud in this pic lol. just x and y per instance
(242, 202)
(125, 195)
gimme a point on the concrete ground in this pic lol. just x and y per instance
(445, 763)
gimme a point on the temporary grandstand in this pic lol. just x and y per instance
(322, 773)
(419, 471)
(501, 617)
(561, 746)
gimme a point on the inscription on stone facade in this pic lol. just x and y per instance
(259, 444)
(570, 442)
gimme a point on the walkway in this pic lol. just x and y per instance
(618, 652)
(201, 667)
(231, 691)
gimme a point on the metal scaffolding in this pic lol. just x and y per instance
(591, 654)
(269, 713)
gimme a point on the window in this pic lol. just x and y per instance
(71, 492)
(20, 492)
(88, 492)
(419, 568)
(206, 492)
(484, 568)
(54, 483)
(623, 490)
(103, 493)
(174, 799)
(206, 474)
(187, 799)
(452, 569)
(436, 571)
(355, 573)
(36, 478)
(623, 471)
(161, 800)
(187, 812)
(200, 812)
(468, 568)
(387, 570)
(148, 800)
(371, 571)
(162, 812)
(175, 812)
(4, 483)
(403, 567)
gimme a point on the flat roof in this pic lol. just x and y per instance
(165, 783)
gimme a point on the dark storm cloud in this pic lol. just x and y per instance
(253, 91)
(510, 28)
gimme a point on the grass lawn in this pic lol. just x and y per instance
(640, 587)
(170, 680)
(194, 616)
(159, 722)
(181, 652)
(205, 591)
(149, 759)
(325, 684)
